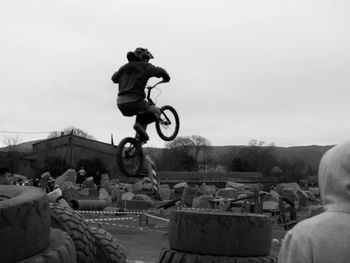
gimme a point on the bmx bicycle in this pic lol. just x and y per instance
(130, 157)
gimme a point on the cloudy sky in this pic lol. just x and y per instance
(272, 70)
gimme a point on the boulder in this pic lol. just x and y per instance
(71, 194)
(303, 197)
(114, 182)
(188, 194)
(272, 196)
(84, 192)
(202, 201)
(88, 183)
(290, 194)
(270, 205)
(45, 175)
(146, 180)
(68, 185)
(147, 186)
(104, 196)
(207, 189)
(52, 196)
(234, 185)
(164, 192)
(116, 194)
(276, 196)
(178, 188)
(104, 180)
(227, 193)
(94, 192)
(127, 188)
(315, 190)
(141, 197)
(287, 185)
(69, 175)
(310, 196)
(175, 196)
(137, 187)
(127, 196)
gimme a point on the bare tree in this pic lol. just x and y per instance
(12, 154)
(192, 148)
(11, 142)
(261, 158)
(71, 130)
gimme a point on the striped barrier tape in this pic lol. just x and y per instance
(108, 219)
(157, 217)
(120, 225)
(110, 212)
(138, 261)
(198, 209)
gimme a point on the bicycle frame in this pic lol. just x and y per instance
(149, 88)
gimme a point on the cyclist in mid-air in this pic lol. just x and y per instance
(132, 79)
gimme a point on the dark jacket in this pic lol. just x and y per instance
(132, 79)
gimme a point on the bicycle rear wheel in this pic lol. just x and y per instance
(130, 157)
(168, 124)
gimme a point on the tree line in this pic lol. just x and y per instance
(191, 153)
(194, 153)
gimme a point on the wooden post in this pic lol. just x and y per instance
(140, 219)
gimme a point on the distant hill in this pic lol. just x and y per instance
(310, 154)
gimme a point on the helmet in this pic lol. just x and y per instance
(140, 54)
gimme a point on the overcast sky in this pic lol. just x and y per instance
(272, 70)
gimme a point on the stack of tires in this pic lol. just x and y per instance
(218, 237)
(34, 231)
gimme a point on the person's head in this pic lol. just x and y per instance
(334, 178)
(140, 54)
(5, 176)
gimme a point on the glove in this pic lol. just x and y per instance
(166, 78)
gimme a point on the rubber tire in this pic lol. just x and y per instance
(24, 222)
(108, 247)
(120, 157)
(220, 233)
(172, 256)
(70, 221)
(177, 124)
(61, 250)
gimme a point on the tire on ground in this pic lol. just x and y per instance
(60, 250)
(108, 247)
(70, 221)
(173, 256)
(24, 222)
(220, 233)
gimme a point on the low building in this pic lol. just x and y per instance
(71, 149)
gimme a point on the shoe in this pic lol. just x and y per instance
(141, 132)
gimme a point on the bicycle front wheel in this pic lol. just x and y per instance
(130, 157)
(168, 124)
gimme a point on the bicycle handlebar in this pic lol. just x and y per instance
(151, 87)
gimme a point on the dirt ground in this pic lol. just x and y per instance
(144, 243)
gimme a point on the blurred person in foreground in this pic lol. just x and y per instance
(325, 238)
(5, 176)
